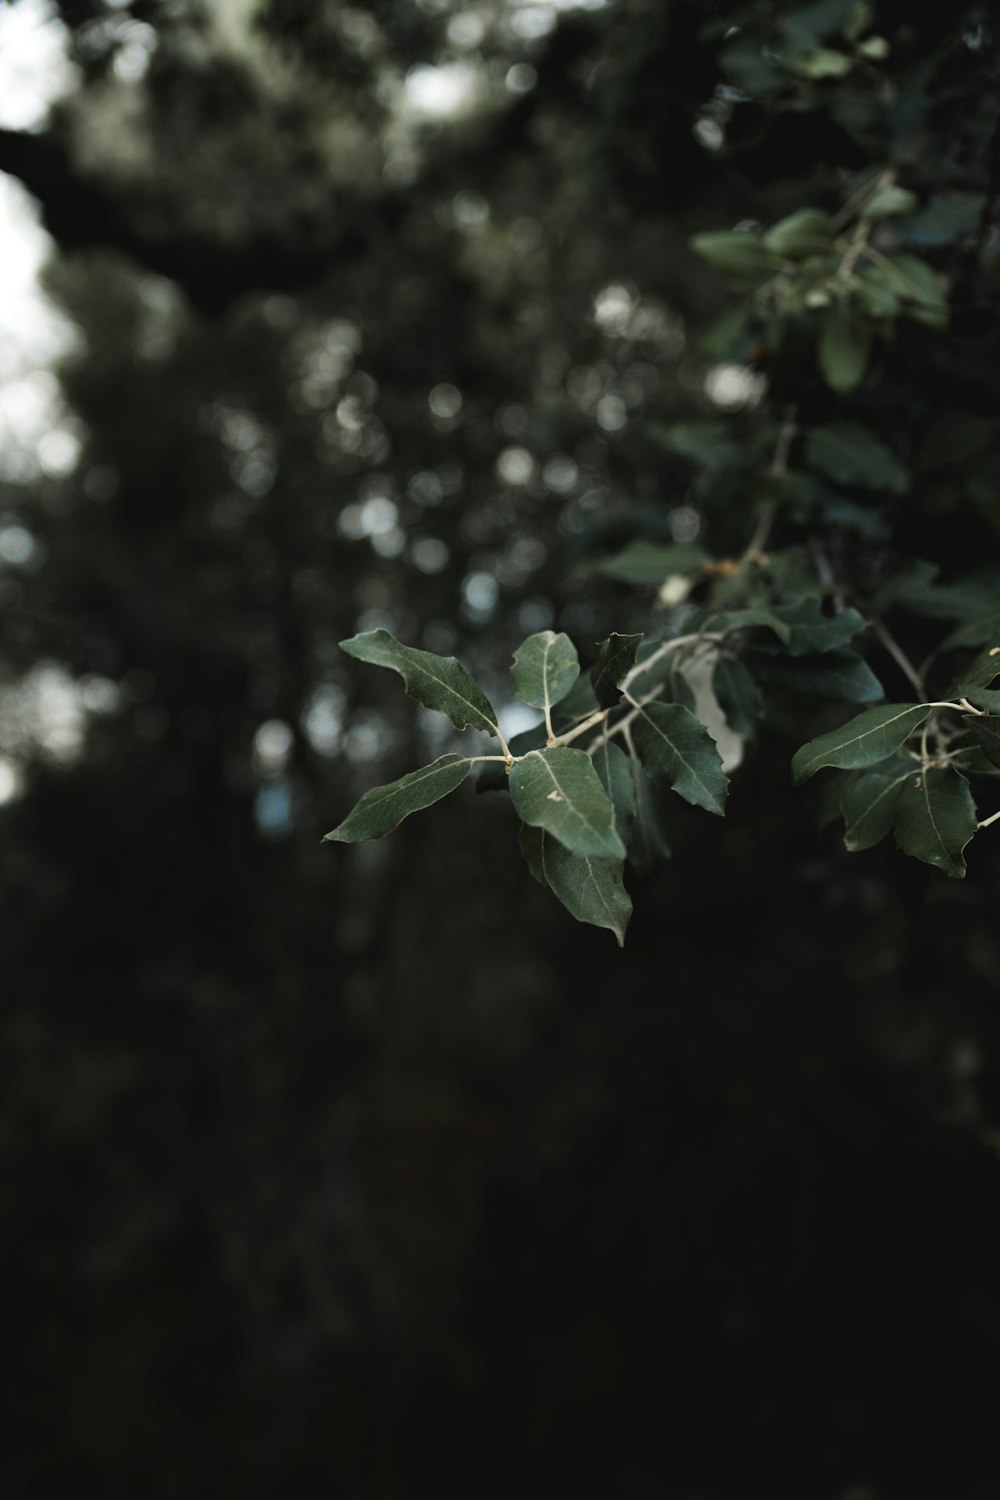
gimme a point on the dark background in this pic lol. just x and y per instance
(368, 1172)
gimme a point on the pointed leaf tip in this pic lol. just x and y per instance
(438, 682)
(384, 807)
(863, 741)
(615, 659)
(674, 746)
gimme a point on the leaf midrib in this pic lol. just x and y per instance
(687, 765)
(867, 734)
(594, 828)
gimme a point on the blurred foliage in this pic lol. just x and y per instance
(366, 1170)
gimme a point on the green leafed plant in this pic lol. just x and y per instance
(775, 622)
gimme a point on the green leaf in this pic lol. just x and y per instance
(858, 21)
(648, 847)
(874, 292)
(812, 630)
(875, 48)
(615, 659)
(710, 445)
(868, 803)
(734, 253)
(723, 339)
(749, 619)
(822, 62)
(676, 747)
(530, 842)
(559, 790)
(936, 818)
(946, 218)
(590, 889)
(976, 632)
(987, 731)
(851, 455)
(986, 699)
(862, 741)
(979, 673)
(615, 775)
(806, 232)
(969, 598)
(844, 348)
(737, 693)
(438, 682)
(649, 563)
(384, 807)
(545, 668)
(840, 675)
(888, 202)
(917, 284)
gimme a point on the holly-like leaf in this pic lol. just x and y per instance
(384, 807)
(615, 775)
(438, 682)
(737, 693)
(591, 889)
(545, 668)
(559, 790)
(839, 675)
(812, 630)
(615, 659)
(868, 803)
(936, 818)
(863, 741)
(851, 455)
(845, 342)
(987, 732)
(676, 747)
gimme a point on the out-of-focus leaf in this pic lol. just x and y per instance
(844, 348)
(936, 818)
(851, 455)
(650, 562)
